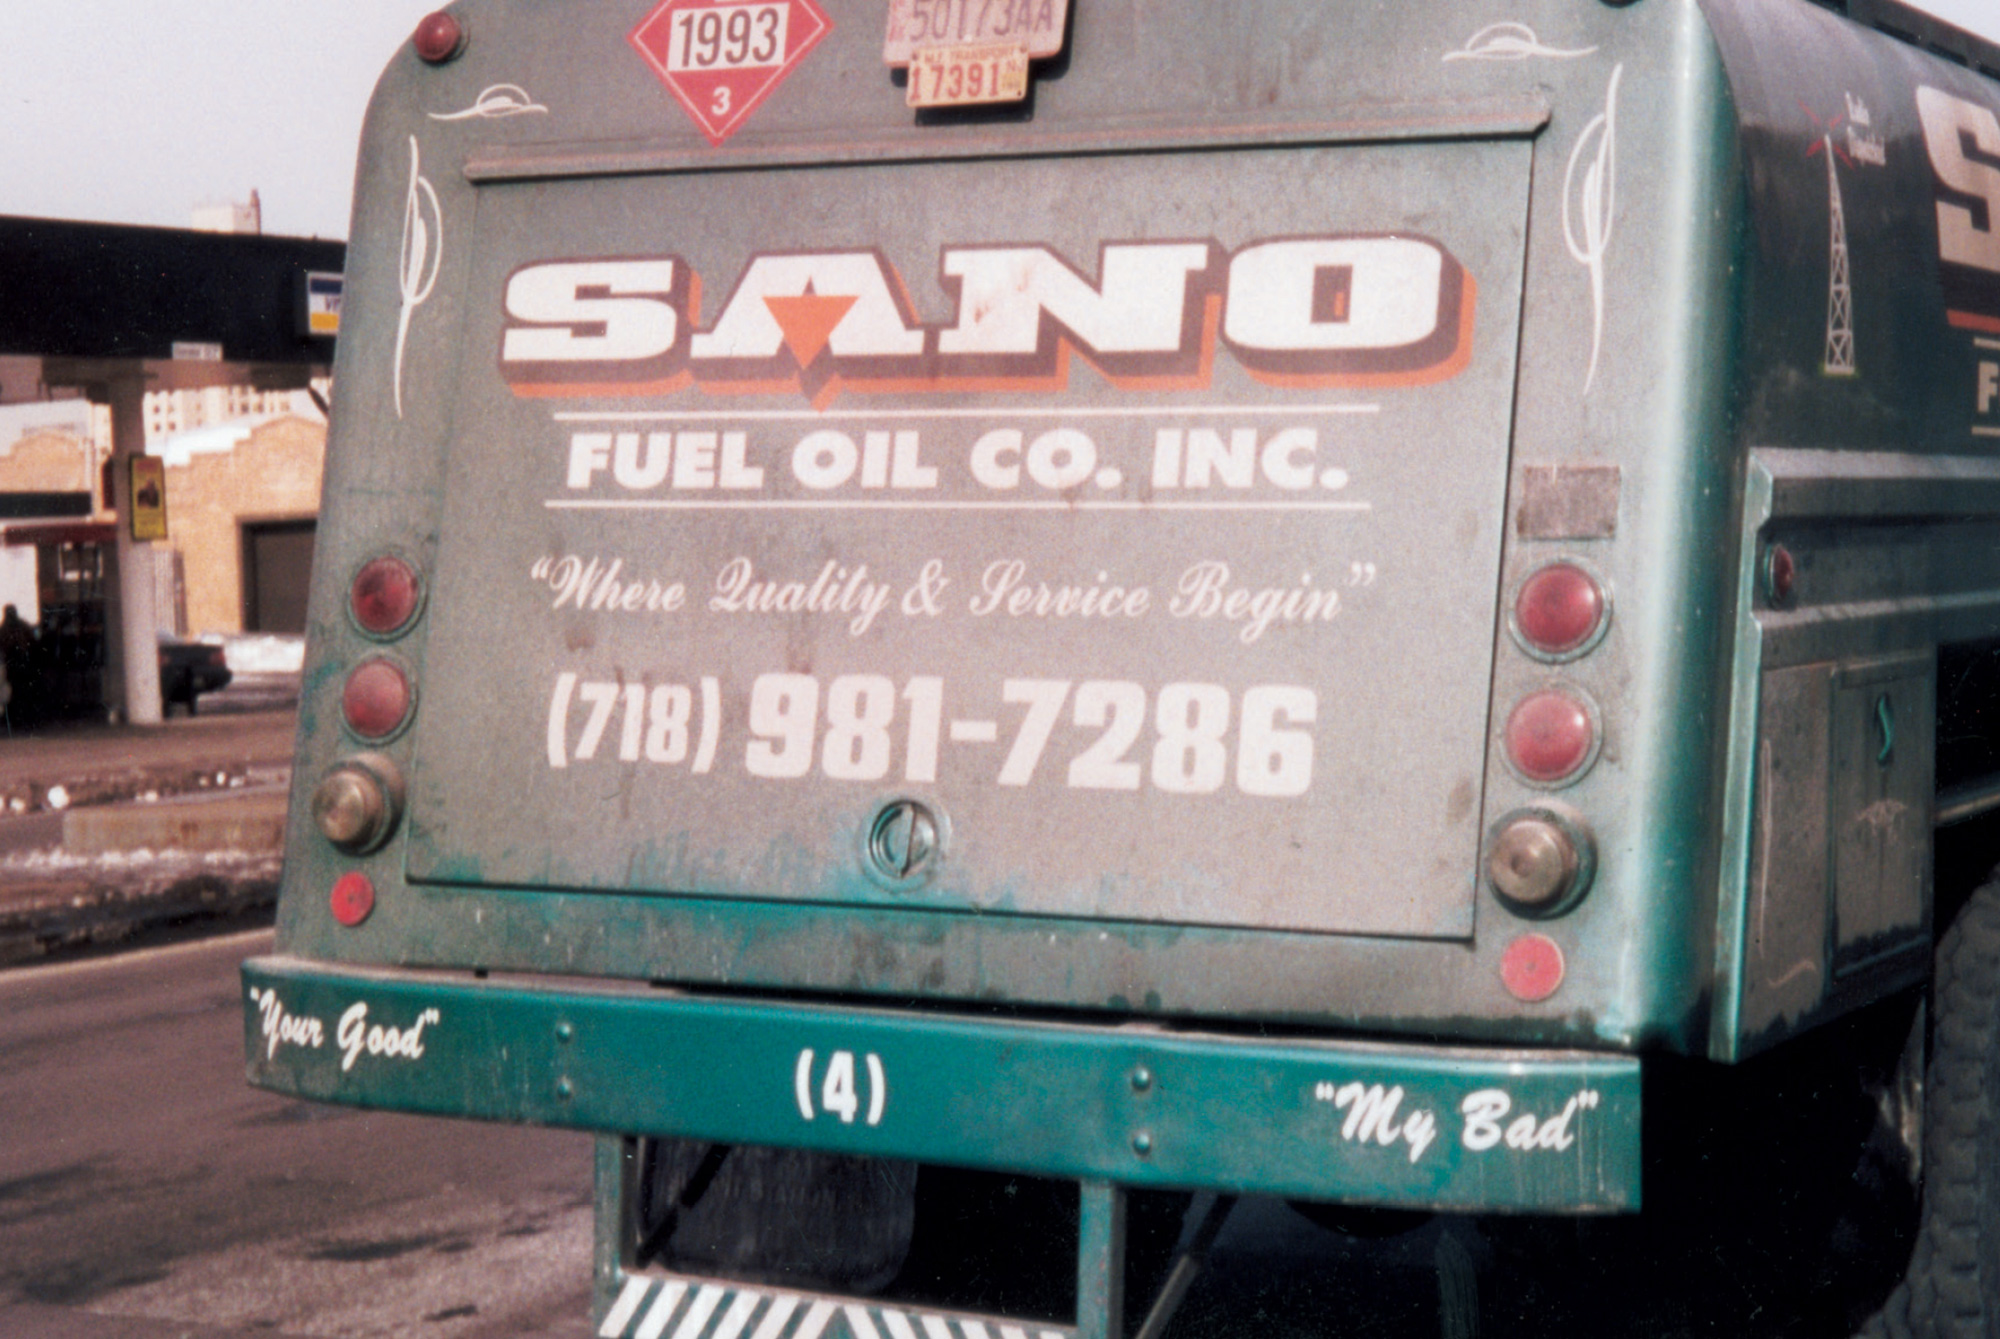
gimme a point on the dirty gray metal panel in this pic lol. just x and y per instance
(1786, 974)
(1307, 671)
(1884, 725)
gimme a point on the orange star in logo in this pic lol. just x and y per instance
(808, 321)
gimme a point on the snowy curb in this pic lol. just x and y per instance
(51, 901)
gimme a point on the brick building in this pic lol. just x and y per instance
(241, 500)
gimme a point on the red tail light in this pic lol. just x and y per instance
(1551, 736)
(384, 596)
(1559, 610)
(376, 698)
(439, 37)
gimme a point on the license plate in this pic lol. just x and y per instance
(959, 76)
(1036, 24)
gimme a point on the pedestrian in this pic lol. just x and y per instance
(17, 647)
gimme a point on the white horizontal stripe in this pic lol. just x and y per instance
(997, 411)
(664, 1306)
(738, 1316)
(1986, 432)
(815, 1322)
(781, 1311)
(621, 1312)
(1986, 343)
(778, 504)
(705, 1302)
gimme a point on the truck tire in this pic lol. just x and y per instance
(1952, 1287)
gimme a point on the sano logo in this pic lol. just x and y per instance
(1347, 310)
(1962, 139)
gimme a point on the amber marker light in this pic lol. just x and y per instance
(1560, 611)
(385, 596)
(352, 899)
(1551, 736)
(1532, 968)
(439, 37)
(375, 701)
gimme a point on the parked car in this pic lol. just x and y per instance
(189, 669)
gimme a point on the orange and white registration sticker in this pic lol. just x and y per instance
(959, 76)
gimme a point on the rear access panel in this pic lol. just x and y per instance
(1110, 536)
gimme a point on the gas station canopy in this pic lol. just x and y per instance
(85, 304)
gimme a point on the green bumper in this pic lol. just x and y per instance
(1436, 1127)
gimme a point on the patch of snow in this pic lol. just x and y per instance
(261, 653)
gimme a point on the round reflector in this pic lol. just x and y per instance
(384, 596)
(353, 898)
(1781, 574)
(1532, 968)
(439, 37)
(1560, 609)
(1550, 736)
(376, 698)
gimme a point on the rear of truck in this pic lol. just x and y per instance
(1200, 629)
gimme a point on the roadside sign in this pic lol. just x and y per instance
(147, 502)
(722, 58)
(196, 351)
(322, 303)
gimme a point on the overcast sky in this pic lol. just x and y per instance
(136, 111)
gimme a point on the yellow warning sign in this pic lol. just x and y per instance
(148, 498)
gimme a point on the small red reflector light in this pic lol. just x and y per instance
(1532, 968)
(439, 37)
(1559, 609)
(375, 699)
(1550, 736)
(1781, 573)
(353, 898)
(384, 595)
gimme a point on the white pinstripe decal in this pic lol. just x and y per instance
(781, 1311)
(655, 1323)
(738, 1316)
(859, 1324)
(815, 1322)
(622, 1311)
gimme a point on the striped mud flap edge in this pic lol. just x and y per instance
(648, 1306)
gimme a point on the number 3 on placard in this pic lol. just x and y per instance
(719, 105)
(837, 1095)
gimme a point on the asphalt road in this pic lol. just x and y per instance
(141, 1180)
